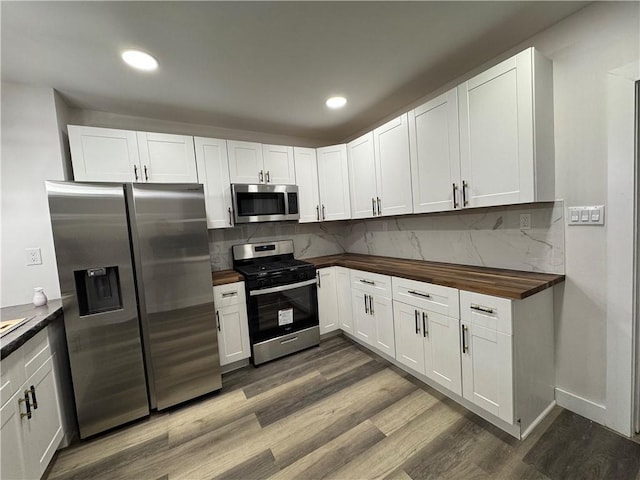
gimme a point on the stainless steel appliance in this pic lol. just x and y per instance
(264, 203)
(282, 299)
(135, 278)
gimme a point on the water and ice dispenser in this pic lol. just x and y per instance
(98, 290)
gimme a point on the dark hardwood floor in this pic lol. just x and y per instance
(337, 411)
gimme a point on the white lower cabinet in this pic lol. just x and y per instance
(327, 300)
(343, 290)
(30, 419)
(232, 322)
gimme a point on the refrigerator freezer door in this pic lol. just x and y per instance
(171, 247)
(91, 237)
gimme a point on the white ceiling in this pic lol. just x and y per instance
(262, 66)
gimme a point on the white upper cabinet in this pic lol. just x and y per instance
(167, 158)
(104, 154)
(362, 177)
(279, 165)
(435, 154)
(393, 167)
(108, 155)
(506, 133)
(213, 173)
(333, 182)
(307, 177)
(245, 162)
(380, 171)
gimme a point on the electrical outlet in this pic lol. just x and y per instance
(34, 257)
(525, 221)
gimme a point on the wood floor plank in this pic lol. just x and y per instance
(258, 467)
(402, 412)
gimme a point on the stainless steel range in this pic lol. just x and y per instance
(282, 299)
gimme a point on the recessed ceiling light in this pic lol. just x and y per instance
(140, 60)
(336, 102)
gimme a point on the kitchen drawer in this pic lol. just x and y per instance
(36, 352)
(229, 294)
(433, 298)
(493, 313)
(372, 283)
(12, 375)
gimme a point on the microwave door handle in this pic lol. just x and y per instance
(282, 288)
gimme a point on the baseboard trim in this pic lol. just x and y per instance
(581, 406)
(537, 421)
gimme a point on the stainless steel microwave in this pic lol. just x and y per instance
(264, 203)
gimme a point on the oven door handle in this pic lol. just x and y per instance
(282, 288)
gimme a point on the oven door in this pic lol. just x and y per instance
(280, 310)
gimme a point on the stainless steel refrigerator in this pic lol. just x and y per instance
(135, 278)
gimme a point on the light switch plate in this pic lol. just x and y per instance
(593, 215)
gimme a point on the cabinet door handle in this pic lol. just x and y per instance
(425, 332)
(268, 177)
(366, 308)
(318, 212)
(455, 203)
(416, 315)
(379, 209)
(135, 172)
(229, 209)
(424, 295)
(33, 397)
(229, 294)
(368, 282)
(25, 400)
(218, 319)
(146, 174)
(318, 277)
(465, 347)
(482, 309)
(261, 176)
(371, 305)
(464, 193)
(373, 206)
(324, 217)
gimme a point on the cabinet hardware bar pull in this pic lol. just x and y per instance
(455, 203)
(413, 292)
(379, 209)
(371, 305)
(425, 332)
(415, 317)
(25, 400)
(218, 319)
(465, 347)
(135, 172)
(368, 282)
(464, 193)
(482, 309)
(289, 340)
(229, 294)
(318, 275)
(318, 212)
(268, 177)
(261, 176)
(324, 217)
(373, 206)
(146, 174)
(229, 209)
(33, 397)
(366, 308)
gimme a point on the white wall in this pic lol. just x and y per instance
(31, 153)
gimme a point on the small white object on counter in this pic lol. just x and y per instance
(39, 298)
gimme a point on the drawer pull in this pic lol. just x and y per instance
(33, 397)
(423, 295)
(368, 282)
(229, 294)
(425, 332)
(480, 308)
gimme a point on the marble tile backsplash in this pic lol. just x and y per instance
(487, 236)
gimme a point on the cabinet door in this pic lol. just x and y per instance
(45, 426)
(167, 158)
(12, 438)
(343, 290)
(435, 154)
(327, 300)
(408, 336)
(496, 133)
(104, 154)
(363, 322)
(362, 177)
(307, 178)
(233, 333)
(245, 162)
(487, 371)
(393, 167)
(442, 355)
(382, 311)
(333, 180)
(279, 165)
(213, 173)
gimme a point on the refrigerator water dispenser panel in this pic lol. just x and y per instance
(98, 290)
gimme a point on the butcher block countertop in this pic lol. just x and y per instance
(499, 282)
(223, 277)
